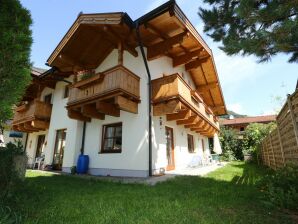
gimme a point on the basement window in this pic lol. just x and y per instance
(111, 138)
(190, 144)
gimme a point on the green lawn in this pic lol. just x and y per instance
(227, 195)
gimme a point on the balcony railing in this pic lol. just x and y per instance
(171, 95)
(104, 93)
(34, 116)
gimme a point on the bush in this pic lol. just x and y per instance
(231, 144)
(281, 187)
(8, 175)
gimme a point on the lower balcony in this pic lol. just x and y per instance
(173, 97)
(103, 94)
(32, 117)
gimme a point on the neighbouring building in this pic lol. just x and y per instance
(239, 124)
(96, 100)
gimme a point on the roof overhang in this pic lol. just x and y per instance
(167, 31)
(90, 39)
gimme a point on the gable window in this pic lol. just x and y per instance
(48, 99)
(66, 92)
(190, 144)
(111, 138)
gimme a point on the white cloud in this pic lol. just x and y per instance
(236, 107)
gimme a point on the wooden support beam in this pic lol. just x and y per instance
(107, 108)
(203, 88)
(185, 58)
(192, 119)
(73, 114)
(40, 124)
(196, 63)
(126, 104)
(120, 53)
(180, 115)
(111, 35)
(168, 107)
(198, 124)
(89, 110)
(161, 48)
(27, 126)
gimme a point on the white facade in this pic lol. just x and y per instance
(133, 160)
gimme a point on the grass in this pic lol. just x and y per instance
(227, 195)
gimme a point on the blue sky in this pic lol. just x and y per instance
(248, 87)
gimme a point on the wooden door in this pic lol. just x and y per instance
(59, 149)
(40, 142)
(170, 148)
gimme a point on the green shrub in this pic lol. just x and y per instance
(73, 170)
(8, 176)
(281, 187)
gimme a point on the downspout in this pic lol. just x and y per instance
(83, 138)
(149, 96)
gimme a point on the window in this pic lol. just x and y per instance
(190, 143)
(66, 91)
(241, 128)
(48, 98)
(111, 138)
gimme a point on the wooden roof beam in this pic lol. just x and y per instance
(190, 120)
(112, 35)
(209, 86)
(162, 48)
(70, 61)
(195, 64)
(185, 58)
(181, 115)
(198, 124)
(217, 108)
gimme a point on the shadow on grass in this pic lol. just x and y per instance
(185, 199)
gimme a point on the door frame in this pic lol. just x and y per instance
(61, 152)
(38, 138)
(170, 166)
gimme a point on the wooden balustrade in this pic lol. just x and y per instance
(173, 97)
(31, 117)
(103, 94)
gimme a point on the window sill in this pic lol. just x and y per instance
(110, 152)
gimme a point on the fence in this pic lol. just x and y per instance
(281, 145)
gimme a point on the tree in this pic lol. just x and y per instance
(253, 27)
(15, 47)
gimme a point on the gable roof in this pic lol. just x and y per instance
(165, 31)
(248, 120)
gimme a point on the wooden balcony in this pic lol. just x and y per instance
(32, 117)
(103, 94)
(173, 97)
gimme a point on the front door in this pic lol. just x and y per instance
(39, 147)
(59, 149)
(170, 149)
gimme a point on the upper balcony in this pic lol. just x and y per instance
(32, 117)
(103, 94)
(173, 97)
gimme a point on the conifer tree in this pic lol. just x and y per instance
(262, 28)
(15, 47)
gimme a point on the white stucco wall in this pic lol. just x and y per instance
(60, 120)
(133, 161)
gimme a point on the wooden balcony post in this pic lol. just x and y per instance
(120, 53)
